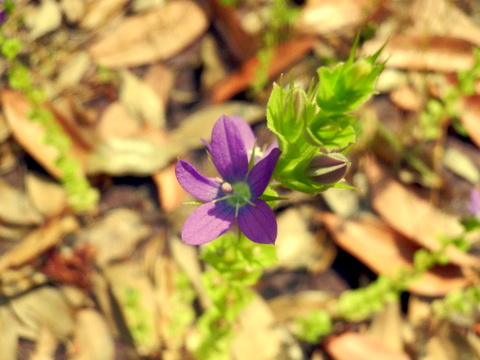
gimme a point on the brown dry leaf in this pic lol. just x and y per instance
(16, 207)
(93, 339)
(141, 101)
(322, 17)
(297, 247)
(186, 257)
(145, 156)
(45, 345)
(38, 241)
(48, 197)
(388, 326)
(116, 122)
(161, 79)
(170, 193)
(74, 10)
(443, 18)
(241, 43)
(385, 252)
(151, 36)
(412, 216)
(44, 307)
(258, 337)
(461, 164)
(44, 18)
(72, 71)
(9, 333)
(134, 292)
(292, 306)
(470, 117)
(30, 134)
(100, 12)
(423, 52)
(143, 5)
(406, 98)
(355, 346)
(115, 236)
(284, 56)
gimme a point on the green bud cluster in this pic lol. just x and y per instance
(314, 126)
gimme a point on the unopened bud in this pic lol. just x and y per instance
(328, 169)
(361, 70)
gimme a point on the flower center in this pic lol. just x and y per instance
(240, 194)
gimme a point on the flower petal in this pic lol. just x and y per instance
(228, 150)
(207, 223)
(260, 175)
(203, 188)
(258, 222)
(246, 132)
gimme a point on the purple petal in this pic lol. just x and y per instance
(207, 145)
(207, 223)
(203, 188)
(258, 222)
(474, 205)
(246, 132)
(270, 147)
(228, 150)
(260, 175)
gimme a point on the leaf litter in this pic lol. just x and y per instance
(104, 285)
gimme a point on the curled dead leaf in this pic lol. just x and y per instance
(30, 134)
(412, 216)
(386, 252)
(355, 346)
(151, 36)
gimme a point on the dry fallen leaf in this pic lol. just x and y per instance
(161, 79)
(141, 101)
(458, 162)
(322, 17)
(16, 207)
(284, 56)
(92, 338)
(170, 194)
(73, 71)
(289, 307)
(470, 117)
(297, 247)
(145, 155)
(355, 346)
(115, 236)
(30, 134)
(38, 241)
(151, 36)
(423, 52)
(74, 10)
(43, 18)
(48, 197)
(388, 326)
(443, 17)
(134, 292)
(116, 122)
(385, 252)
(100, 12)
(44, 307)
(258, 337)
(412, 216)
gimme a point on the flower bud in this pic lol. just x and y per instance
(328, 169)
(299, 99)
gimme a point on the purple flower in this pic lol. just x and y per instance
(236, 197)
(474, 205)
